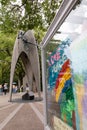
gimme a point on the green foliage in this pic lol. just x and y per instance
(32, 15)
(50, 8)
(6, 43)
(6, 47)
(5, 72)
(28, 14)
(19, 71)
(39, 34)
(9, 20)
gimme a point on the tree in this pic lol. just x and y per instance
(19, 71)
(6, 47)
(50, 8)
(28, 14)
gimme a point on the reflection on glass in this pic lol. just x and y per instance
(79, 64)
(60, 92)
(67, 74)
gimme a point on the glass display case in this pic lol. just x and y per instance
(66, 72)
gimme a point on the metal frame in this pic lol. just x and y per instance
(44, 85)
(63, 12)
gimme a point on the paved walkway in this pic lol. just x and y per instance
(20, 115)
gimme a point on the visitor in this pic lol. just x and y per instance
(22, 88)
(16, 89)
(27, 88)
(5, 88)
(0, 89)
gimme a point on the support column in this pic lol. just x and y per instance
(10, 98)
(44, 85)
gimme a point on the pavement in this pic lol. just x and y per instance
(19, 114)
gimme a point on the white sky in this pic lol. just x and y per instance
(76, 22)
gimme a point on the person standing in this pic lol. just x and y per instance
(0, 89)
(5, 88)
(27, 88)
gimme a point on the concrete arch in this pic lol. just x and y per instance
(25, 48)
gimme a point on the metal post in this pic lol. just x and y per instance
(44, 85)
(10, 99)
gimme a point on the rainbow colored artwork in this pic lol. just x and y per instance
(67, 81)
(60, 83)
(63, 76)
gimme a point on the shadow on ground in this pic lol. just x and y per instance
(20, 100)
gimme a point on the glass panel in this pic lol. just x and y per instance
(60, 93)
(67, 73)
(78, 50)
